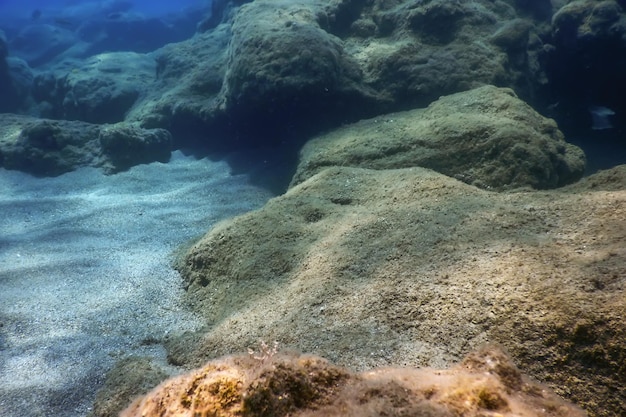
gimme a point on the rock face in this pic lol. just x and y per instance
(285, 69)
(410, 267)
(485, 382)
(52, 147)
(486, 137)
(276, 72)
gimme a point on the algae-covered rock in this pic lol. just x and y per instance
(46, 147)
(51, 147)
(127, 145)
(10, 100)
(486, 137)
(284, 69)
(277, 71)
(129, 378)
(411, 267)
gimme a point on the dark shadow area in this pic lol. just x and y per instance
(604, 148)
(270, 167)
(586, 89)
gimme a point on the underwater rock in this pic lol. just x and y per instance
(125, 146)
(22, 77)
(130, 377)
(301, 385)
(282, 71)
(100, 89)
(52, 147)
(486, 137)
(410, 267)
(183, 98)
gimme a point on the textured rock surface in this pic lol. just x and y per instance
(52, 147)
(485, 382)
(276, 71)
(183, 98)
(410, 267)
(486, 137)
(284, 70)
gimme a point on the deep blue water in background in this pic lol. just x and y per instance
(23, 9)
(111, 25)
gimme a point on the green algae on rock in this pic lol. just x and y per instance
(485, 137)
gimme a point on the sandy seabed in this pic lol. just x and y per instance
(86, 276)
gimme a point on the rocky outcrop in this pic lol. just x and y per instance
(284, 70)
(52, 147)
(408, 266)
(278, 72)
(486, 137)
(183, 97)
(485, 382)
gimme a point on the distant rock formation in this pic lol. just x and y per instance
(52, 147)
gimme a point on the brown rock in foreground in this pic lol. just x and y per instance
(410, 267)
(484, 384)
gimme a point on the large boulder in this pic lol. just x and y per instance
(52, 147)
(413, 268)
(486, 137)
(284, 70)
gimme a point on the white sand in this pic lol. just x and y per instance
(85, 272)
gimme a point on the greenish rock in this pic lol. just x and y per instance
(486, 137)
(280, 71)
(46, 147)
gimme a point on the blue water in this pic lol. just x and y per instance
(42, 33)
(12, 9)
